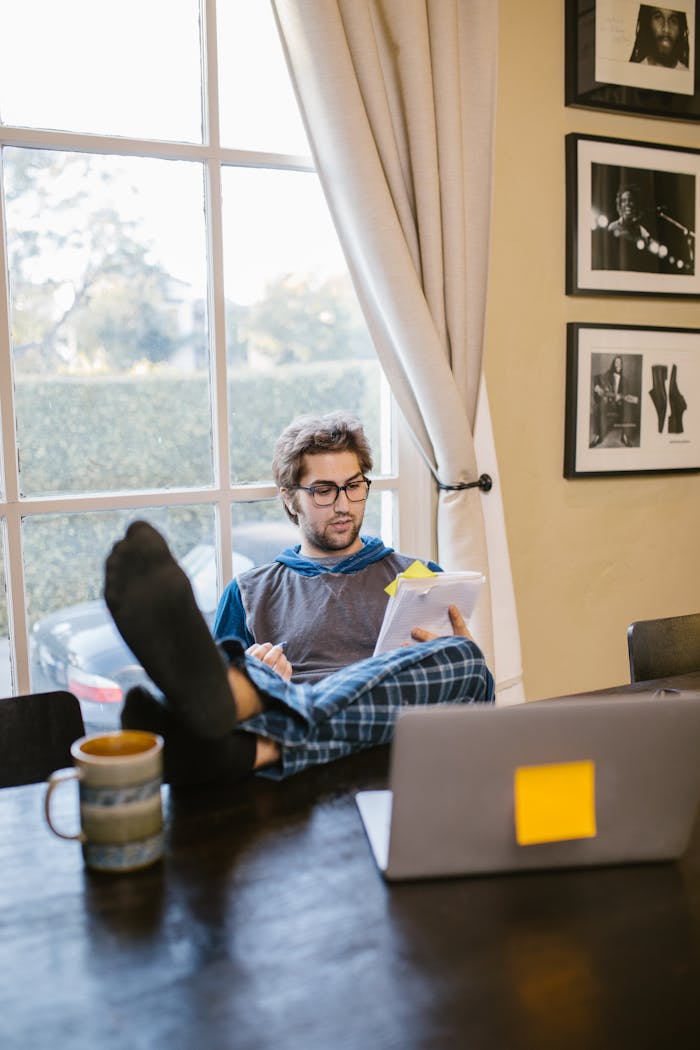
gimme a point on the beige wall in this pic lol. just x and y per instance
(588, 555)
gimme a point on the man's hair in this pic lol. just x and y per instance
(645, 44)
(310, 435)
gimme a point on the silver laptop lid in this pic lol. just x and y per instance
(469, 781)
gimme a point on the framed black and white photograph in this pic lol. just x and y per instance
(633, 57)
(631, 213)
(632, 400)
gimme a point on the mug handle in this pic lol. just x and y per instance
(61, 776)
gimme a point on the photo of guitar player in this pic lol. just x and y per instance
(616, 382)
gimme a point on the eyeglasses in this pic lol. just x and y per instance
(326, 493)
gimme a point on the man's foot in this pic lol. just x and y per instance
(152, 604)
(187, 759)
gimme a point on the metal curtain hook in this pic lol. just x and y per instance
(485, 483)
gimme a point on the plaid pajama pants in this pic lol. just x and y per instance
(357, 707)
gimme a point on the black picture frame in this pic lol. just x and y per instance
(600, 40)
(643, 248)
(646, 421)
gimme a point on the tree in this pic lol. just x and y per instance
(299, 321)
(85, 291)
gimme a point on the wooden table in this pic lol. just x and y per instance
(268, 926)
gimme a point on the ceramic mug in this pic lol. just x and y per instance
(121, 816)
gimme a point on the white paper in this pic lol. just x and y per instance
(423, 601)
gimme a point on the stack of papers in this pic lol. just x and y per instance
(423, 602)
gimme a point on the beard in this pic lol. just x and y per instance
(667, 51)
(326, 539)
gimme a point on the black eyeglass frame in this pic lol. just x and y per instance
(338, 490)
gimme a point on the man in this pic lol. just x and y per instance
(662, 38)
(627, 243)
(325, 598)
(612, 405)
(224, 714)
(628, 225)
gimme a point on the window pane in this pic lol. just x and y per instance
(258, 109)
(6, 687)
(73, 642)
(296, 337)
(133, 69)
(261, 530)
(2, 457)
(109, 328)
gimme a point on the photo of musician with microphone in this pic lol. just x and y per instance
(653, 231)
(616, 384)
(628, 227)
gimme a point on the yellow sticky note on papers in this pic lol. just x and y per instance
(414, 571)
(554, 802)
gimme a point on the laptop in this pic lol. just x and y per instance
(566, 782)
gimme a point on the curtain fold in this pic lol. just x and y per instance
(398, 99)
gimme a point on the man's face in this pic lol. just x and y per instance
(628, 207)
(665, 28)
(617, 364)
(327, 530)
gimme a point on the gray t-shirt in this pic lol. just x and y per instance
(328, 621)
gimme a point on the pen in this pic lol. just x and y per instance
(281, 645)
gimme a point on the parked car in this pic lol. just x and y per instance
(78, 647)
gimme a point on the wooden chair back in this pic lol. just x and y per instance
(36, 732)
(660, 648)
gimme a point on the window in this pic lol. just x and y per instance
(173, 293)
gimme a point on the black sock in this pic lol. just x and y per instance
(153, 606)
(189, 760)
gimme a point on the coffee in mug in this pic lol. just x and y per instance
(121, 816)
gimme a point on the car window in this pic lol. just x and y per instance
(200, 565)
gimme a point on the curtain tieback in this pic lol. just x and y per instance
(485, 483)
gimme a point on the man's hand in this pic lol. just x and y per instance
(459, 627)
(273, 656)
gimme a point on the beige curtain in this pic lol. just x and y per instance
(398, 97)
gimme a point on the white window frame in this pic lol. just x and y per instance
(412, 484)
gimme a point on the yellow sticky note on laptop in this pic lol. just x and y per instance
(415, 570)
(554, 802)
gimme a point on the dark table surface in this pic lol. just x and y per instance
(268, 925)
